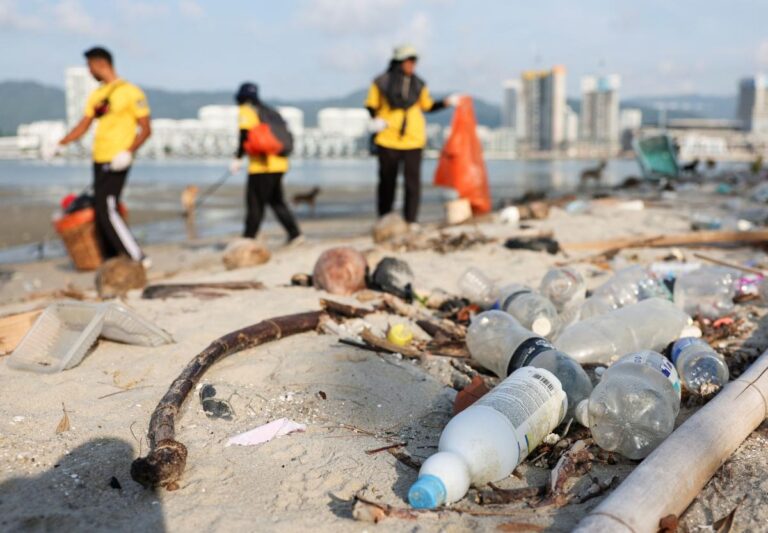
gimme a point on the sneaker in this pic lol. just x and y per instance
(296, 241)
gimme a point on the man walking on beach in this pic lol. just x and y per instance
(397, 101)
(120, 109)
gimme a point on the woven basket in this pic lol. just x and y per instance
(78, 231)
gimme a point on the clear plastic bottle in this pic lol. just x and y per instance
(564, 287)
(498, 342)
(477, 287)
(697, 363)
(532, 310)
(486, 441)
(634, 407)
(706, 292)
(627, 286)
(648, 325)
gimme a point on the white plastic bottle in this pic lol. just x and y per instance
(697, 363)
(498, 342)
(627, 286)
(648, 325)
(634, 407)
(532, 310)
(486, 441)
(706, 292)
(477, 287)
(564, 287)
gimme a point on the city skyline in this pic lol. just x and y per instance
(664, 48)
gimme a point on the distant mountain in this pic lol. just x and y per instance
(26, 101)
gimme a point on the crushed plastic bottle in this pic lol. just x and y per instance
(698, 364)
(498, 342)
(650, 324)
(706, 292)
(477, 287)
(486, 441)
(532, 310)
(564, 287)
(634, 407)
(627, 286)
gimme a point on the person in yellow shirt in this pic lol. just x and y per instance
(397, 101)
(265, 171)
(123, 124)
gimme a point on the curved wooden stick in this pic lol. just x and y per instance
(165, 462)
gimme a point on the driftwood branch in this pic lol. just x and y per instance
(679, 239)
(166, 290)
(165, 462)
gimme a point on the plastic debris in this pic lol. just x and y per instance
(267, 432)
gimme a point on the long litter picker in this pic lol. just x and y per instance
(670, 478)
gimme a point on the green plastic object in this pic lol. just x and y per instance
(657, 158)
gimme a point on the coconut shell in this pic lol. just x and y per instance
(340, 271)
(244, 253)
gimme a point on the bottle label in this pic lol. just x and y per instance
(527, 350)
(658, 363)
(682, 344)
(533, 401)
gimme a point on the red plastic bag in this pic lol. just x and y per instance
(261, 141)
(461, 164)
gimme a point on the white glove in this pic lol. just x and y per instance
(453, 99)
(49, 151)
(121, 161)
(377, 124)
(235, 166)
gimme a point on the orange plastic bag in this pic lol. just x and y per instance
(461, 164)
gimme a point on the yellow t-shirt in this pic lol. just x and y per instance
(116, 130)
(260, 164)
(415, 134)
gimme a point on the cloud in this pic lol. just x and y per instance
(72, 17)
(12, 18)
(137, 10)
(762, 55)
(351, 17)
(191, 9)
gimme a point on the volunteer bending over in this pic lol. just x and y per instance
(397, 101)
(122, 114)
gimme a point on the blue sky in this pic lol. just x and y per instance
(320, 48)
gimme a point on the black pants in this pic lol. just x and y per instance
(389, 166)
(114, 236)
(265, 189)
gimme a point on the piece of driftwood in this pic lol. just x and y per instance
(673, 475)
(13, 328)
(385, 346)
(345, 310)
(728, 264)
(163, 291)
(677, 239)
(167, 457)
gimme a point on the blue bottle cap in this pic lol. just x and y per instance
(427, 493)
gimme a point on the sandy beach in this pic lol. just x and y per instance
(351, 400)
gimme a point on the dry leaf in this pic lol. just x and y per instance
(725, 524)
(63, 423)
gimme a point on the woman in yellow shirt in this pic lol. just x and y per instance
(397, 101)
(265, 172)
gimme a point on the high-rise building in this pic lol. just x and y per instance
(512, 107)
(600, 110)
(543, 95)
(752, 108)
(78, 84)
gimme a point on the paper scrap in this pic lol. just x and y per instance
(267, 432)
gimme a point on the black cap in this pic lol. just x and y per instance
(248, 92)
(98, 52)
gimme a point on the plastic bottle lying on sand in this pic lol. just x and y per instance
(633, 408)
(698, 364)
(628, 286)
(486, 441)
(498, 342)
(706, 292)
(650, 324)
(477, 287)
(531, 309)
(564, 287)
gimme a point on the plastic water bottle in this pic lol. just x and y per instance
(706, 292)
(564, 287)
(498, 342)
(477, 287)
(697, 363)
(633, 408)
(486, 441)
(532, 310)
(627, 286)
(648, 325)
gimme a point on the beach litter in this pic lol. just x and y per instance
(389, 227)
(340, 271)
(267, 432)
(116, 276)
(244, 253)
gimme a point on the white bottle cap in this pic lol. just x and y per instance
(542, 326)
